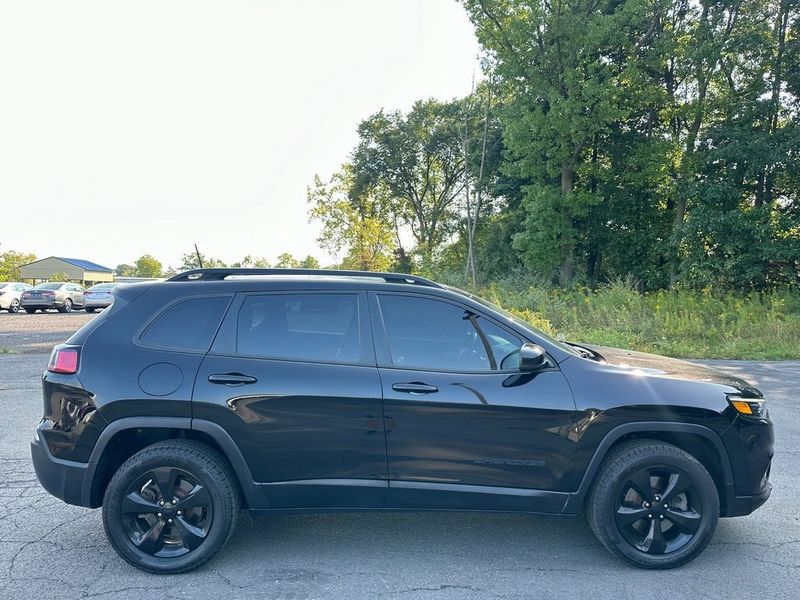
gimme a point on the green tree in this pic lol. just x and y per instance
(352, 223)
(189, 261)
(287, 261)
(147, 266)
(124, 270)
(309, 262)
(416, 161)
(11, 261)
(255, 262)
(59, 276)
(569, 67)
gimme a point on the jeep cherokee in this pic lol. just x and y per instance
(286, 391)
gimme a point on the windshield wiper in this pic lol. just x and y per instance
(585, 352)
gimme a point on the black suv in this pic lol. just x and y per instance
(300, 391)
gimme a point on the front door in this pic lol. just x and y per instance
(292, 378)
(466, 429)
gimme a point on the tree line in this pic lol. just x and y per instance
(651, 141)
(149, 266)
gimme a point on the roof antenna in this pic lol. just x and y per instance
(199, 260)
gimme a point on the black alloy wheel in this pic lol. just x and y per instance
(171, 506)
(167, 512)
(657, 511)
(653, 504)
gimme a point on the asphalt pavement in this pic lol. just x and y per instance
(51, 550)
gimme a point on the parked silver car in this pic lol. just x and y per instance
(61, 295)
(10, 292)
(98, 296)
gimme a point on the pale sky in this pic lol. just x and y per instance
(129, 128)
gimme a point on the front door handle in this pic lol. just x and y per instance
(415, 388)
(231, 378)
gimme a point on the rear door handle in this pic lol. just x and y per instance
(415, 388)
(231, 378)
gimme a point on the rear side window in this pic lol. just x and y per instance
(311, 327)
(187, 325)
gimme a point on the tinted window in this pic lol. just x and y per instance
(188, 325)
(313, 327)
(430, 334)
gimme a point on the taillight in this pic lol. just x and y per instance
(63, 360)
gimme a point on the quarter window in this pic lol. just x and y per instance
(310, 327)
(188, 325)
(430, 334)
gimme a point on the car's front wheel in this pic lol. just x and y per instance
(67, 306)
(653, 505)
(171, 506)
(14, 306)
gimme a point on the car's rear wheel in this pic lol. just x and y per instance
(67, 306)
(653, 505)
(171, 507)
(14, 306)
(29, 310)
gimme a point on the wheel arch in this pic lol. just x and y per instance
(124, 437)
(701, 442)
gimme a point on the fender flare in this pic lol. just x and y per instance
(230, 450)
(575, 502)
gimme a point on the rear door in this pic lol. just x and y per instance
(465, 428)
(292, 377)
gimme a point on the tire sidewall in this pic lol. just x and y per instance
(704, 491)
(14, 306)
(112, 516)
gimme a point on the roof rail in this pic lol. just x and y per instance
(219, 274)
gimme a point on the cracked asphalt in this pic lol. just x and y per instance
(49, 549)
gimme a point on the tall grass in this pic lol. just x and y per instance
(680, 323)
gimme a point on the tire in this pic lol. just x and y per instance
(67, 306)
(14, 306)
(636, 525)
(89, 310)
(177, 547)
(30, 310)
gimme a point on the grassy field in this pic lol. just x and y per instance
(674, 323)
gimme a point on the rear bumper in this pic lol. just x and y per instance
(64, 479)
(39, 303)
(89, 303)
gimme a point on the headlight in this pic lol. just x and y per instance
(749, 407)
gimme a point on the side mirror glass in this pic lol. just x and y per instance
(532, 357)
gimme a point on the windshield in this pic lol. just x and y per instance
(2, 285)
(48, 286)
(521, 322)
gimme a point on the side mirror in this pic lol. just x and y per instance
(532, 357)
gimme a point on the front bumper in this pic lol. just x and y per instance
(64, 479)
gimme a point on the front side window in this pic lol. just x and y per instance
(309, 327)
(188, 325)
(430, 334)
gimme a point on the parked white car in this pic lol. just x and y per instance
(10, 291)
(98, 296)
